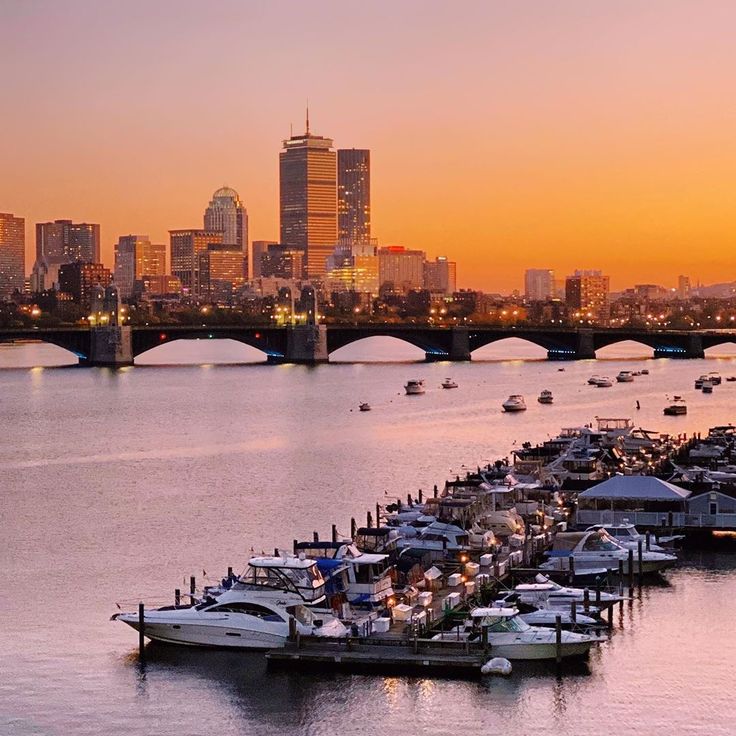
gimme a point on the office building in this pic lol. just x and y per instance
(220, 272)
(440, 275)
(186, 245)
(539, 284)
(64, 241)
(135, 257)
(308, 199)
(353, 268)
(683, 287)
(226, 213)
(258, 249)
(353, 195)
(79, 280)
(400, 269)
(283, 262)
(586, 295)
(12, 254)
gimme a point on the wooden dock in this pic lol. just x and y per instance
(381, 655)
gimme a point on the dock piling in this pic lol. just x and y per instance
(574, 611)
(177, 597)
(292, 628)
(378, 515)
(192, 586)
(316, 536)
(368, 519)
(229, 571)
(558, 638)
(631, 573)
(141, 631)
(334, 533)
(571, 568)
(649, 541)
(640, 561)
(353, 528)
(586, 601)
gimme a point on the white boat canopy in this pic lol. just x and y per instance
(636, 487)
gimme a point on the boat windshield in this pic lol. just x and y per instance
(601, 543)
(302, 614)
(513, 623)
(305, 581)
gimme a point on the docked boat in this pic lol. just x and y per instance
(600, 551)
(511, 637)
(449, 383)
(627, 535)
(603, 382)
(545, 397)
(365, 406)
(625, 377)
(253, 613)
(559, 596)
(676, 408)
(414, 387)
(515, 402)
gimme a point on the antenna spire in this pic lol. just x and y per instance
(307, 117)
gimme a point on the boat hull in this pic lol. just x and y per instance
(527, 651)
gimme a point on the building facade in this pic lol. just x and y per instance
(440, 275)
(227, 213)
(220, 272)
(258, 249)
(79, 280)
(539, 284)
(586, 296)
(136, 256)
(186, 245)
(64, 241)
(282, 262)
(308, 199)
(354, 195)
(12, 254)
(400, 269)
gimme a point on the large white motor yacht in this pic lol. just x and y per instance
(414, 387)
(598, 550)
(511, 637)
(627, 536)
(252, 614)
(515, 402)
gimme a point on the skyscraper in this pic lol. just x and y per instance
(12, 254)
(135, 257)
(186, 245)
(539, 284)
(64, 241)
(227, 213)
(308, 198)
(354, 195)
(440, 275)
(400, 269)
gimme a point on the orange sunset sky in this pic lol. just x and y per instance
(506, 135)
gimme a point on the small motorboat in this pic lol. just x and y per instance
(545, 397)
(644, 371)
(625, 377)
(414, 387)
(699, 382)
(593, 380)
(603, 382)
(677, 408)
(731, 378)
(515, 402)
(715, 378)
(707, 386)
(365, 406)
(449, 383)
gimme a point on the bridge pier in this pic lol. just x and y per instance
(583, 348)
(305, 344)
(690, 347)
(459, 347)
(110, 346)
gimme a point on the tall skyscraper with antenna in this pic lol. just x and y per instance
(308, 198)
(354, 196)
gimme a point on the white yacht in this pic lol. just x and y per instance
(511, 637)
(515, 402)
(594, 379)
(414, 387)
(449, 383)
(627, 536)
(599, 550)
(676, 408)
(707, 386)
(545, 397)
(252, 614)
(603, 382)
(625, 377)
(545, 593)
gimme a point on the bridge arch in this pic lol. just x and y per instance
(624, 349)
(195, 351)
(39, 353)
(377, 349)
(431, 342)
(510, 348)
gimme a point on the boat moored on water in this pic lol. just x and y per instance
(365, 406)
(545, 397)
(253, 613)
(707, 386)
(449, 383)
(603, 382)
(627, 536)
(414, 387)
(625, 377)
(511, 637)
(676, 408)
(515, 402)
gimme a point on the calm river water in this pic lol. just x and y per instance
(120, 484)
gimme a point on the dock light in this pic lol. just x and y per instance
(162, 336)
(35, 312)
(463, 558)
(391, 602)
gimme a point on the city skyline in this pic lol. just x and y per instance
(570, 135)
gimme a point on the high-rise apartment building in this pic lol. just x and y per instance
(308, 199)
(353, 195)
(400, 269)
(136, 256)
(64, 241)
(227, 213)
(258, 249)
(12, 254)
(683, 287)
(586, 294)
(220, 272)
(539, 284)
(186, 245)
(80, 279)
(440, 275)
